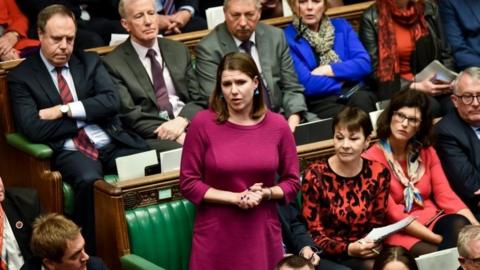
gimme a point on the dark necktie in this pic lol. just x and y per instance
(247, 47)
(161, 93)
(81, 141)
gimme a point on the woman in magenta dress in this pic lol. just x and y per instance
(418, 184)
(231, 157)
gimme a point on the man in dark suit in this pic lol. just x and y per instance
(298, 241)
(58, 245)
(461, 24)
(268, 47)
(132, 69)
(21, 206)
(458, 142)
(69, 102)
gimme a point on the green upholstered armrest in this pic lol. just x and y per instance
(68, 198)
(135, 262)
(38, 150)
(110, 178)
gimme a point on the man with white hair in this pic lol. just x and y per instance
(469, 247)
(458, 142)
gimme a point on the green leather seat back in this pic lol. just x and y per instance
(162, 233)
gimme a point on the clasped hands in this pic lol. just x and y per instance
(7, 41)
(172, 24)
(172, 130)
(364, 248)
(251, 197)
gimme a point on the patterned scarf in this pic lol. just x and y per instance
(415, 171)
(321, 41)
(411, 17)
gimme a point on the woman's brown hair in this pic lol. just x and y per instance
(239, 62)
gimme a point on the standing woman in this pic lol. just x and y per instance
(231, 157)
(419, 186)
(402, 37)
(345, 197)
(328, 57)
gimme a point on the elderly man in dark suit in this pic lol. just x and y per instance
(155, 79)
(68, 101)
(21, 206)
(461, 24)
(458, 142)
(268, 47)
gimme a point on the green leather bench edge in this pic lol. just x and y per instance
(37, 150)
(135, 262)
(68, 201)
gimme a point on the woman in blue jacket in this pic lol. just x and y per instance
(329, 59)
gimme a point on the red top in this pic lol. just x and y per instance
(340, 210)
(433, 186)
(405, 47)
(12, 17)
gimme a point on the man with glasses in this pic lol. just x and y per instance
(469, 247)
(458, 143)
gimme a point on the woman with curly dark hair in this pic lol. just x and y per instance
(418, 185)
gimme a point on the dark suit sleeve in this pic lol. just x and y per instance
(25, 111)
(462, 175)
(195, 102)
(96, 90)
(465, 55)
(294, 230)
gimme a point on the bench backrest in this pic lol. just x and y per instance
(162, 233)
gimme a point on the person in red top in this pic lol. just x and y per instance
(13, 32)
(418, 187)
(345, 196)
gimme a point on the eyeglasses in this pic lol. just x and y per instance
(475, 261)
(468, 99)
(402, 117)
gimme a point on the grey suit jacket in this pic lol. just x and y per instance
(286, 94)
(139, 110)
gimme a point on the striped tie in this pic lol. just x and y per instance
(81, 141)
(168, 7)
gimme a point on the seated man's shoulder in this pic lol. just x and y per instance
(95, 263)
(21, 194)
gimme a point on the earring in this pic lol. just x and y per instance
(257, 92)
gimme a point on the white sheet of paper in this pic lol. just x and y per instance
(133, 166)
(436, 68)
(381, 232)
(170, 160)
(214, 16)
(446, 259)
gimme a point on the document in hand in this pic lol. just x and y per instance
(438, 71)
(446, 259)
(378, 234)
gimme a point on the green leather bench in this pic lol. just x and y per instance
(43, 151)
(160, 236)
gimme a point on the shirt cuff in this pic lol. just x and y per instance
(188, 8)
(77, 110)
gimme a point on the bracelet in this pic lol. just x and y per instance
(269, 197)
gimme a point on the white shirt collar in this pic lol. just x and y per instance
(238, 41)
(48, 65)
(142, 50)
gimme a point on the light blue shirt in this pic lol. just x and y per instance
(96, 134)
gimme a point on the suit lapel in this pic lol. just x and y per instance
(228, 44)
(42, 76)
(16, 223)
(264, 49)
(138, 70)
(78, 77)
(169, 56)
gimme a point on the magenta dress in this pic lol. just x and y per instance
(233, 157)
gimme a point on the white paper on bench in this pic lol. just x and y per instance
(446, 259)
(170, 160)
(381, 232)
(215, 16)
(133, 166)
